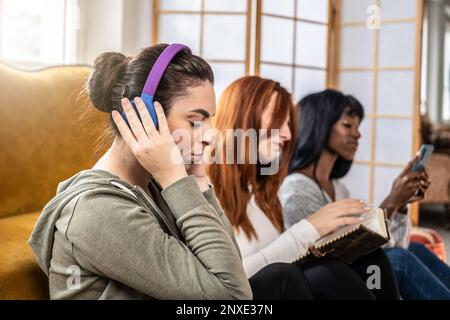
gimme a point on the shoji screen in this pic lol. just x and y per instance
(380, 66)
(219, 31)
(292, 43)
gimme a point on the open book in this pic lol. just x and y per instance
(351, 242)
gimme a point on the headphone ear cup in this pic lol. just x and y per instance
(148, 101)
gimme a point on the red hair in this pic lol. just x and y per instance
(240, 107)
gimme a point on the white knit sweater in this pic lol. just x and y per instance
(272, 246)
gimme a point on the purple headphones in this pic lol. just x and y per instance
(155, 76)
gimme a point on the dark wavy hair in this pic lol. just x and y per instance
(318, 113)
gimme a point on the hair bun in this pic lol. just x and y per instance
(106, 85)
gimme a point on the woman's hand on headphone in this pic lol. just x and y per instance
(155, 150)
(338, 214)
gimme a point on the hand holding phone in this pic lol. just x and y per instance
(411, 184)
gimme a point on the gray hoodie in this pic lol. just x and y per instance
(101, 238)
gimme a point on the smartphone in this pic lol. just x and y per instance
(424, 156)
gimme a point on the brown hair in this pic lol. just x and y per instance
(116, 76)
(240, 107)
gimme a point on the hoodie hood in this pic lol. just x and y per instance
(42, 236)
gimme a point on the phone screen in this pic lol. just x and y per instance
(425, 152)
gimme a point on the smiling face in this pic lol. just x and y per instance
(270, 147)
(191, 116)
(344, 136)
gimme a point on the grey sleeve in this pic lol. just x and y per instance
(344, 190)
(298, 200)
(399, 229)
(212, 200)
(126, 243)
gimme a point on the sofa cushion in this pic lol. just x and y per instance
(49, 132)
(20, 276)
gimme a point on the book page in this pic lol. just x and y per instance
(376, 222)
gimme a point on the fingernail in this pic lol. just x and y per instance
(124, 100)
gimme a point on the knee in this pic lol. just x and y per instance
(330, 269)
(417, 247)
(288, 271)
(400, 257)
(400, 253)
(291, 279)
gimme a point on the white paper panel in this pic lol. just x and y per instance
(446, 84)
(355, 10)
(308, 81)
(278, 73)
(383, 179)
(173, 28)
(224, 37)
(276, 43)
(284, 7)
(225, 74)
(358, 84)
(316, 10)
(397, 45)
(395, 92)
(191, 5)
(393, 140)
(356, 47)
(398, 9)
(227, 5)
(364, 148)
(311, 44)
(357, 181)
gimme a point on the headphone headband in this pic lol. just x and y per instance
(154, 78)
(160, 66)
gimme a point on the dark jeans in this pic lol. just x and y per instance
(325, 279)
(420, 274)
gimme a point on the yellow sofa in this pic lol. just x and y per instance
(48, 132)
